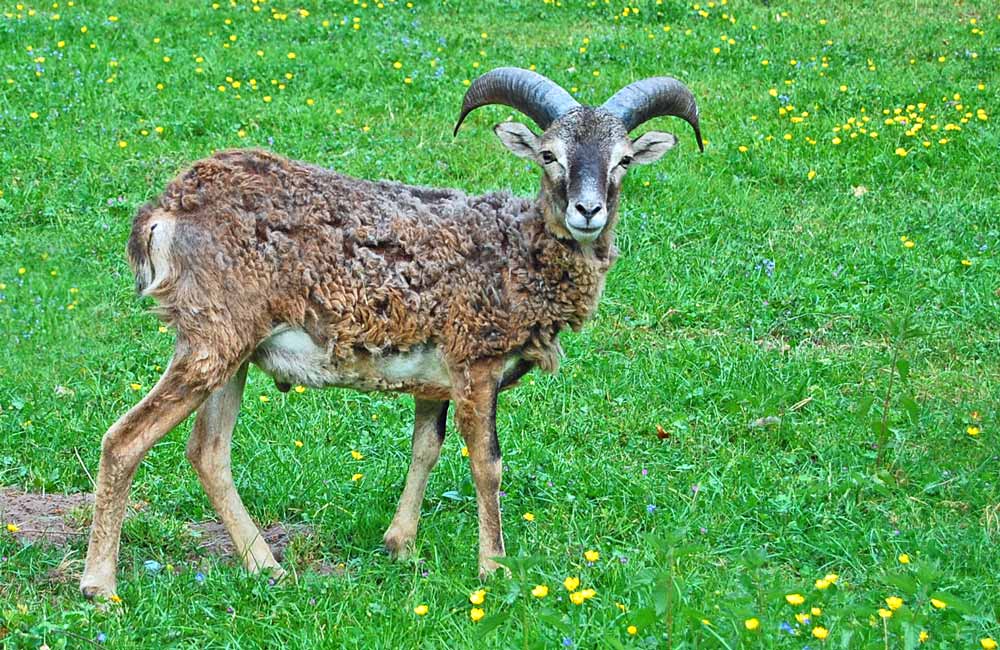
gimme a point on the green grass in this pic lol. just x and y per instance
(695, 333)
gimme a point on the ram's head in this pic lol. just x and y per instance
(584, 151)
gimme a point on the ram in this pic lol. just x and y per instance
(324, 280)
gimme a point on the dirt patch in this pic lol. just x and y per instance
(58, 519)
(43, 518)
(214, 540)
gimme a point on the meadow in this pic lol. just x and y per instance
(780, 430)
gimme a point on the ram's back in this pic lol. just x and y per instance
(250, 241)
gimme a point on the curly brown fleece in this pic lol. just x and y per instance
(363, 267)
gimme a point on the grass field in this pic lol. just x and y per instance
(711, 434)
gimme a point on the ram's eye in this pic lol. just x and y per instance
(548, 157)
(625, 162)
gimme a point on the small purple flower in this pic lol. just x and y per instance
(567, 642)
(623, 559)
(502, 494)
(645, 471)
(785, 627)
(695, 488)
(199, 577)
(703, 530)
(650, 508)
(101, 637)
(230, 610)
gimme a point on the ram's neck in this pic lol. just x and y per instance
(572, 273)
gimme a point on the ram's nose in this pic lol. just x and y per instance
(589, 210)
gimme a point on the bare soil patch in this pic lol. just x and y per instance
(58, 519)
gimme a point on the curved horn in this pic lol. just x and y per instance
(653, 97)
(538, 97)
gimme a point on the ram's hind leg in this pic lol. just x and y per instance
(428, 434)
(123, 447)
(208, 450)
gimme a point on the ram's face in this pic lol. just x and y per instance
(584, 156)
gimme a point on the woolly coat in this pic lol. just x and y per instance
(257, 242)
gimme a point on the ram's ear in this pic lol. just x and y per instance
(518, 138)
(650, 147)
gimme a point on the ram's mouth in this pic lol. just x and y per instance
(585, 235)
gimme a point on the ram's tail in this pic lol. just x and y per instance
(149, 250)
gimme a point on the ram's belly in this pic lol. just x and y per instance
(291, 357)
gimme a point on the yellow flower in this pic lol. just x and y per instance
(894, 602)
(115, 598)
(924, 636)
(902, 152)
(571, 583)
(751, 624)
(885, 613)
(988, 643)
(540, 591)
(968, 263)
(420, 610)
(298, 389)
(298, 443)
(904, 558)
(13, 528)
(135, 386)
(476, 613)
(265, 399)
(742, 148)
(122, 144)
(356, 477)
(836, 141)
(815, 611)
(477, 597)
(811, 175)
(843, 88)
(971, 429)
(592, 556)
(802, 618)
(822, 584)
(577, 597)
(632, 630)
(267, 98)
(820, 632)
(33, 115)
(938, 604)
(528, 516)
(291, 55)
(356, 455)
(795, 599)
(465, 454)
(831, 578)
(397, 65)
(909, 243)
(588, 593)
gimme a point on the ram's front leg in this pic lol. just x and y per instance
(475, 396)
